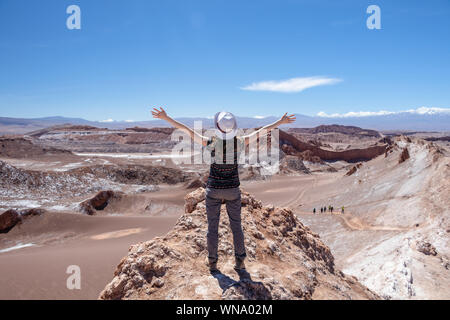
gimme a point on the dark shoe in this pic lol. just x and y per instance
(240, 265)
(212, 264)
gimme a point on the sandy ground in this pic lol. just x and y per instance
(95, 244)
(388, 208)
(34, 256)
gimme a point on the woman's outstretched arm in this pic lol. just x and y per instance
(195, 136)
(285, 119)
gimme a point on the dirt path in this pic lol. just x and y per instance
(300, 194)
(354, 223)
(350, 221)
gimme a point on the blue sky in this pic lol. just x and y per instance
(196, 57)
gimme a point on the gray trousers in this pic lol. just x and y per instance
(232, 198)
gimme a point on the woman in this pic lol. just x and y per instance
(223, 181)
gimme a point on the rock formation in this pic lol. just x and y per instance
(14, 181)
(348, 130)
(351, 155)
(286, 260)
(426, 248)
(293, 164)
(91, 139)
(10, 218)
(404, 155)
(353, 169)
(19, 147)
(99, 202)
(198, 182)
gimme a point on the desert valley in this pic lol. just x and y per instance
(113, 202)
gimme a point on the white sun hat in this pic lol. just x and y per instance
(226, 126)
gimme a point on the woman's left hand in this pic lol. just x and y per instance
(160, 114)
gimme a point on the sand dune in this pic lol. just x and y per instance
(95, 244)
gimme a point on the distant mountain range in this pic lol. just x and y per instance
(402, 121)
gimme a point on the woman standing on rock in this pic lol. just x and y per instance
(223, 181)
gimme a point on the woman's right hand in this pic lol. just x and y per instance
(285, 119)
(159, 114)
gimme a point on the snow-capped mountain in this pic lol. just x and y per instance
(420, 119)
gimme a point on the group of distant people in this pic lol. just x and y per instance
(329, 208)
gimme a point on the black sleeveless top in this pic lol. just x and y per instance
(223, 173)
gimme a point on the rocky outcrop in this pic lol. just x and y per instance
(404, 155)
(353, 169)
(426, 248)
(335, 128)
(19, 147)
(293, 164)
(99, 202)
(14, 181)
(166, 132)
(197, 182)
(137, 174)
(32, 212)
(91, 139)
(389, 150)
(445, 138)
(351, 155)
(309, 156)
(8, 220)
(286, 260)
(253, 173)
(192, 199)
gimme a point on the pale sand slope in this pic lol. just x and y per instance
(95, 244)
(377, 239)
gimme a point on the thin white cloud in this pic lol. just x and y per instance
(111, 120)
(421, 110)
(291, 85)
(425, 110)
(259, 117)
